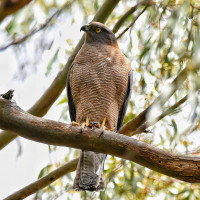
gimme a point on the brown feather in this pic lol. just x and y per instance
(99, 82)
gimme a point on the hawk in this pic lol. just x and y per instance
(98, 89)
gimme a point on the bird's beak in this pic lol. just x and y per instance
(85, 28)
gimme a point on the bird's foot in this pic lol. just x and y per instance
(84, 124)
(94, 125)
(103, 125)
(113, 129)
(102, 132)
(75, 124)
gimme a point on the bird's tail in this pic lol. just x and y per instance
(89, 172)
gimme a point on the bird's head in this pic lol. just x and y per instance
(99, 33)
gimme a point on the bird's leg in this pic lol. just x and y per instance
(84, 124)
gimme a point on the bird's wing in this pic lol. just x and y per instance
(123, 109)
(72, 110)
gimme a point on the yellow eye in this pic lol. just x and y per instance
(98, 30)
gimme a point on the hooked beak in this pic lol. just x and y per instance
(85, 28)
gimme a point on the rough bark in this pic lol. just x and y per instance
(13, 118)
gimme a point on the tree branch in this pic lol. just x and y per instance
(25, 37)
(126, 15)
(8, 7)
(133, 22)
(13, 118)
(56, 14)
(151, 122)
(44, 181)
(135, 123)
(53, 176)
(41, 107)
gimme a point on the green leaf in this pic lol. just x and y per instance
(63, 100)
(44, 171)
(174, 125)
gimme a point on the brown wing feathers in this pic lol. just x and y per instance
(98, 87)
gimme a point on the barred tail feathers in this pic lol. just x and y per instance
(89, 173)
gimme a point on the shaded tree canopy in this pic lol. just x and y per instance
(161, 41)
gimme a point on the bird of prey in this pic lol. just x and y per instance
(98, 88)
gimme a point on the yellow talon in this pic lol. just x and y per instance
(103, 124)
(87, 121)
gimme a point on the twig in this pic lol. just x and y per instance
(53, 176)
(134, 124)
(34, 31)
(58, 12)
(168, 111)
(126, 15)
(133, 22)
(44, 181)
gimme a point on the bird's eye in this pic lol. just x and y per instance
(98, 30)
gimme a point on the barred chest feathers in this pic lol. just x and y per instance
(99, 81)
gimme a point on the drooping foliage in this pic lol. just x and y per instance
(162, 37)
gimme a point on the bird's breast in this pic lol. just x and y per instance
(98, 85)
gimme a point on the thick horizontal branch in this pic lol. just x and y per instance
(41, 107)
(44, 181)
(12, 118)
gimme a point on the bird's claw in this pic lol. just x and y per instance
(75, 123)
(102, 132)
(112, 129)
(103, 125)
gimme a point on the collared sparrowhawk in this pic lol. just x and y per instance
(98, 88)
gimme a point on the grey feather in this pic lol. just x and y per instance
(90, 172)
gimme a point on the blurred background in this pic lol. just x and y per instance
(157, 37)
